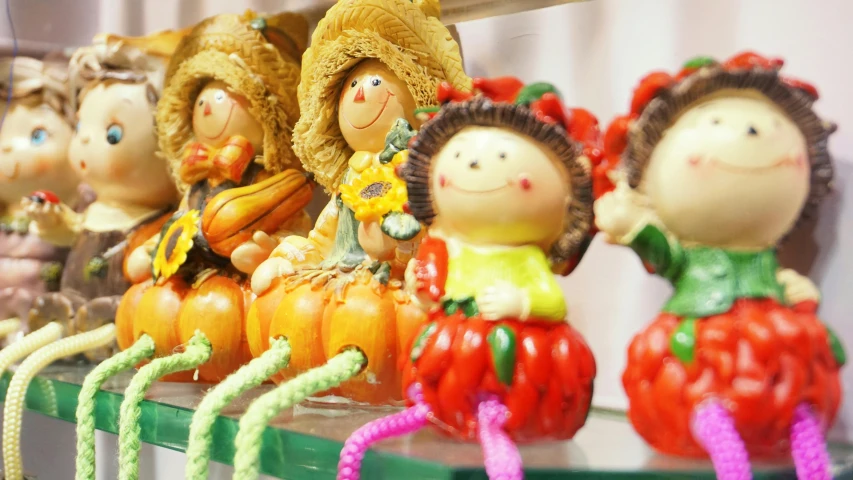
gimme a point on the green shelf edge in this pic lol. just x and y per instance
(292, 455)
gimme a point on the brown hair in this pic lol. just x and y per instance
(481, 111)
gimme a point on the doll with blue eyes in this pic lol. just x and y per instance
(34, 139)
(114, 151)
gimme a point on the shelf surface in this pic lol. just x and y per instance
(304, 443)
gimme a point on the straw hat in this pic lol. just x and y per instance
(35, 77)
(257, 57)
(132, 59)
(405, 35)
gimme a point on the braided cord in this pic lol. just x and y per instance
(808, 447)
(9, 326)
(197, 351)
(247, 377)
(30, 343)
(142, 349)
(21, 380)
(337, 370)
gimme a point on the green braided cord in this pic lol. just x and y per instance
(142, 349)
(197, 352)
(247, 377)
(340, 368)
(47, 392)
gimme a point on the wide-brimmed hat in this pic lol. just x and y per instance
(257, 57)
(405, 35)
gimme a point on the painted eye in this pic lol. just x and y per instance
(114, 134)
(376, 82)
(458, 153)
(200, 103)
(353, 84)
(715, 121)
(219, 96)
(38, 137)
(502, 155)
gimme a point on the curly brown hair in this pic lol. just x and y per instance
(481, 111)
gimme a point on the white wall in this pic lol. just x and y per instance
(595, 53)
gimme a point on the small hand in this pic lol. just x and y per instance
(268, 271)
(621, 212)
(248, 256)
(503, 301)
(797, 287)
(46, 215)
(139, 264)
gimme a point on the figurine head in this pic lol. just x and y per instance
(114, 149)
(729, 155)
(215, 91)
(503, 172)
(406, 51)
(372, 99)
(35, 132)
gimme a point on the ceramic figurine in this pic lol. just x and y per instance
(33, 161)
(720, 162)
(223, 124)
(340, 287)
(114, 151)
(507, 197)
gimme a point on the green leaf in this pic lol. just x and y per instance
(469, 307)
(682, 343)
(534, 91)
(502, 342)
(397, 139)
(418, 347)
(259, 24)
(449, 306)
(699, 62)
(836, 347)
(400, 226)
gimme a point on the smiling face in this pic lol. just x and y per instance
(494, 186)
(732, 171)
(33, 152)
(372, 99)
(114, 149)
(219, 114)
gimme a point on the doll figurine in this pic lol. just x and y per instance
(720, 162)
(223, 125)
(33, 161)
(507, 197)
(114, 151)
(340, 287)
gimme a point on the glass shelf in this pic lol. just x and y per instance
(304, 443)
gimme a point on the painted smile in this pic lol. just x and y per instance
(784, 162)
(224, 126)
(488, 190)
(375, 119)
(15, 172)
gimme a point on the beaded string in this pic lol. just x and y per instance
(714, 429)
(808, 447)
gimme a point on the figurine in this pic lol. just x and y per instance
(114, 151)
(507, 197)
(721, 161)
(223, 124)
(362, 80)
(34, 141)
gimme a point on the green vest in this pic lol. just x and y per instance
(708, 280)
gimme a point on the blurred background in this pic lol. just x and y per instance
(595, 52)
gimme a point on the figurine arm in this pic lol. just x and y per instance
(545, 297)
(798, 288)
(54, 223)
(654, 247)
(138, 265)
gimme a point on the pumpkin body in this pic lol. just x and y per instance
(349, 310)
(759, 359)
(547, 387)
(127, 311)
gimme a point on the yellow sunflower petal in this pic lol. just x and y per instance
(175, 244)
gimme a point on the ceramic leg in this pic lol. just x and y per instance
(409, 420)
(714, 429)
(501, 457)
(808, 446)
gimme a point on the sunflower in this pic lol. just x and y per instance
(375, 192)
(175, 244)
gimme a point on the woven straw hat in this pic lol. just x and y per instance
(34, 77)
(258, 58)
(405, 35)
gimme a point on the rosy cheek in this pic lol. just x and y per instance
(524, 182)
(694, 161)
(442, 181)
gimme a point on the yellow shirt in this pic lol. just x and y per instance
(472, 269)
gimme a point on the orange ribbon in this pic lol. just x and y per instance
(201, 162)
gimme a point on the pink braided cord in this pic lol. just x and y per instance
(501, 457)
(714, 429)
(409, 420)
(808, 446)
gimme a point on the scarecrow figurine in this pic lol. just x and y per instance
(720, 162)
(34, 141)
(506, 193)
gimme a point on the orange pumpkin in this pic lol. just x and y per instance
(323, 312)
